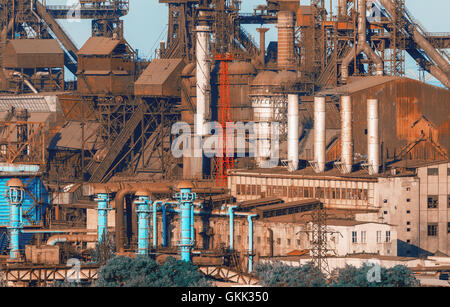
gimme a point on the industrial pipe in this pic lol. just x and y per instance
(262, 44)
(373, 141)
(346, 135)
(343, 7)
(250, 242)
(185, 200)
(154, 225)
(14, 196)
(319, 134)
(361, 45)
(143, 210)
(285, 23)
(53, 240)
(231, 215)
(102, 215)
(119, 202)
(293, 132)
(203, 74)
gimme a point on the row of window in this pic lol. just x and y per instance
(304, 192)
(433, 201)
(363, 237)
(432, 229)
(434, 171)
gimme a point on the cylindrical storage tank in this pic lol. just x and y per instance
(293, 132)
(373, 141)
(241, 74)
(346, 135)
(319, 134)
(285, 26)
(264, 109)
(203, 74)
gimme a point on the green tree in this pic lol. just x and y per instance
(278, 274)
(143, 271)
(397, 276)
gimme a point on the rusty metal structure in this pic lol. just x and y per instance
(111, 131)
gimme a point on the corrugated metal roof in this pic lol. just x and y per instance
(31, 103)
(99, 46)
(42, 46)
(357, 84)
(158, 71)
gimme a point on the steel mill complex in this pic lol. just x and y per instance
(226, 148)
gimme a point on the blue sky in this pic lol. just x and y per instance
(146, 23)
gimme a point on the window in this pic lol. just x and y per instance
(448, 201)
(408, 200)
(432, 230)
(354, 237)
(363, 237)
(385, 201)
(408, 211)
(388, 236)
(408, 241)
(298, 242)
(408, 223)
(288, 242)
(385, 212)
(378, 236)
(432, 201)
(448, 227)
(408, 189)
(278, 241)
(408, 229)
(433, 171)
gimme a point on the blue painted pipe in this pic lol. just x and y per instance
(250, 242)
(14, 196)
(15, 228)
(102, 215)
(143, 211)
(231, 214)
(164, 224)
(192, 226)
(185, 201)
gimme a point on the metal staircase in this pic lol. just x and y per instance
(99, 170)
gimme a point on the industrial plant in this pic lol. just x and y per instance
(225, 149)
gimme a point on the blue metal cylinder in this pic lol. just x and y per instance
(155, 225)
(185, 202)
(102, 215)
(15, 228)
(143, 211)
(231, 215)
(164, 224)
(192, 226)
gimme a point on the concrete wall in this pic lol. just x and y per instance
(436, 185)
(341, 241)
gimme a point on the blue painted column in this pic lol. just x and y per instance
(143, 210)
(185, 201)
(155, 223)
(102, 215)
(164, 224)
(192, 226)
(250, 242)
(14, 196)
(231, 215)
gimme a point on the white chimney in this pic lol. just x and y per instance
(346, 135)
(373, 141)
(319, 134)
(293, 132)
(203, 77)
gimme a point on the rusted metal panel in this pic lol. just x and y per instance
(99, 46)
(161, 78)
(33, 53)
(409, 110)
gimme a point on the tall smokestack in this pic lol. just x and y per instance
(319, 134)
(262, 44)
(203, 77)
(285, 39)
(346, 135)
(292, 132)
(373, 141)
